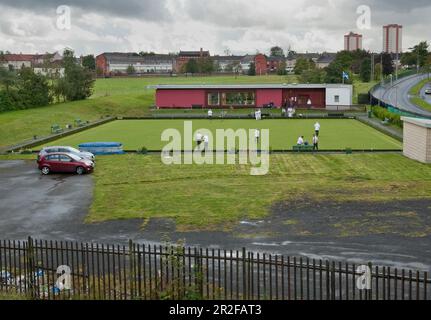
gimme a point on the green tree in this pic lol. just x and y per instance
(365, 72)
(303, 64)
(388, 66)
(378, 72)
(206, 65)
(89, 62)
(281, 69)
(33, 89)
(334, 73)
(252, 69)
(192, 66)
(313, 76)
(276, 52)
(131, 70)
(78, 82)
(7, 78)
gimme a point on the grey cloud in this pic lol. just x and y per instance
(153, 10)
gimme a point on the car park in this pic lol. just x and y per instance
(64, 163)
(70, 150)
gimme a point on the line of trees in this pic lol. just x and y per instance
(24, 89)
(360, 63)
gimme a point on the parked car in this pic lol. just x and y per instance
(428, 91)
(82, 154)
(64, 162)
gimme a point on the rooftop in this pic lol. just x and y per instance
(426, 123)
(247, 86)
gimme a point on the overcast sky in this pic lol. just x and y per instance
(242, 26)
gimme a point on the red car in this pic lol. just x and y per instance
(64, 162)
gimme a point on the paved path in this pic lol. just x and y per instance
(377, 123)
(398, 95)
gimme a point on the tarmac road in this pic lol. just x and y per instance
(398, 96)
(54, 207)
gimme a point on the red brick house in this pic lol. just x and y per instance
(185, 56)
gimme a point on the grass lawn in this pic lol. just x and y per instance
(216, 197)
(415, 95)
(335, 134)
(117, 97)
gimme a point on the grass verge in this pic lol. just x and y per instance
(217, 197)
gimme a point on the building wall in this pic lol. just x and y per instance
(417, 142)
(102, 64)
(17, 65)
(392, 39)
(344, 97)
(300, 97)
(180, 98)
(265, 96)
(261, 65)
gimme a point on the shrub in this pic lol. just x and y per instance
(143, 150)
(384, 114)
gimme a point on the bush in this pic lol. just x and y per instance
(143, 150)
(384, 114)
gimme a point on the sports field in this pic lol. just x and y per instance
(335, 134)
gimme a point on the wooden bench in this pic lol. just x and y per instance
(55, 129)
(303, 148)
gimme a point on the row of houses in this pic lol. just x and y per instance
(118, 63)
(48, 64)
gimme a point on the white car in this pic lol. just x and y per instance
(63, 149)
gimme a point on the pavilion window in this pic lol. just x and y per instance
(238, 99)
(214, 99)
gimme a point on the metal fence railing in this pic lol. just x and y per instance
(51, 270)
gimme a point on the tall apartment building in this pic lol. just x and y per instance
(393, 38)
(352, 42)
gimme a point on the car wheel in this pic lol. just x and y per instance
(45, 170)
(80, 170)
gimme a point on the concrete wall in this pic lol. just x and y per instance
(180, 98)
(417, 142)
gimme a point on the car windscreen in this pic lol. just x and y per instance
(75, 157)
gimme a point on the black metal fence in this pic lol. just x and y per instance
(69, 270)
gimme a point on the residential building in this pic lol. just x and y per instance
(261, 64)
(393, 38)
(48, 64)
(274, 63)
(352, 42)
(228, 63)
(185, 56)
(117, 63)
(325, 60)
